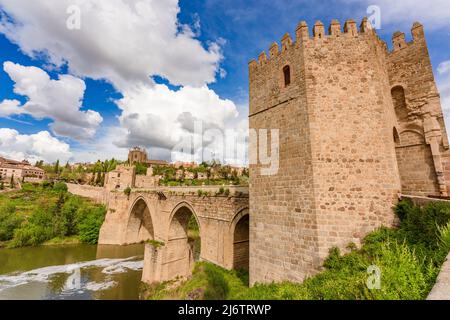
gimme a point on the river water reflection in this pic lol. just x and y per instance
(71, 272)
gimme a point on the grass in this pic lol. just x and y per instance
(27, 200)
(408, 258)
(209, 282)
(62, 241)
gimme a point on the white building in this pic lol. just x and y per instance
(19, 170)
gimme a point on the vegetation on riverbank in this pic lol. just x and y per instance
(408, 257)
(48, 213)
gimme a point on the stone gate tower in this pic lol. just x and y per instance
(346, 108)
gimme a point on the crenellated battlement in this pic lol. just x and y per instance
(303, 35)
(399, 38)
(334, 31)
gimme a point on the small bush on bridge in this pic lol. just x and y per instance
(155, 243)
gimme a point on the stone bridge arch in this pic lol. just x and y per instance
(181, 245)
(141, 224)
(240, 235)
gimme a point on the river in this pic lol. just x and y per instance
(77, 272)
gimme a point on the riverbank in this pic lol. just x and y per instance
(48, 214)
(407, 259)
(52, 242)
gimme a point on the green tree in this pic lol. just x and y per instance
(89, 226)
(141, 169)
(98, 180)
(12, 183)
(56, 168)
(92, 180)
(58, 220)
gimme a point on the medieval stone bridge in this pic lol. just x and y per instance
(162, 214)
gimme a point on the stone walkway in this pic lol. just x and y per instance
(441, 290)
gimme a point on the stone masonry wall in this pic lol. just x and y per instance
(283, 228)
(415, 162)
(97, 194)
(356, 179)
(416, 97)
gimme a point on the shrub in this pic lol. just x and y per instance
(68, 215)
(404, 276)
(9, 221)
(89, 226)
(444, 242)
(47, 184)
(141, 169)
(60, 187)
(31, 235)
(420, 224)
(155, 243)
(127, 191)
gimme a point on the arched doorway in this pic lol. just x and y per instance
(140, 224)
(183, 246)
(241, 242)
(400, 105)
(396, 137)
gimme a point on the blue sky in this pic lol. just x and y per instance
(133, 78)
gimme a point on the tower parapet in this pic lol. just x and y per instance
(319, 30)
(399, 38)
(302, 32)
(335, 28)
(286, 61)
(350, 27)
(303, 36)
(399, 41)
(417, 31)
(286, 42)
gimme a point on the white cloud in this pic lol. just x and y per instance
(122, 41)
(159, 117)
(34, 147)
(10, 107)
(102, 148)
(444, 67)
(59, 100)
(443, 83)
(434, 14)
